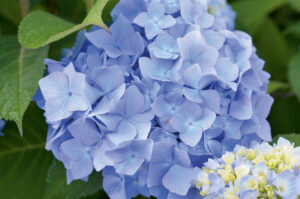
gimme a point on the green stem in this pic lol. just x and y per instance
(24, 5)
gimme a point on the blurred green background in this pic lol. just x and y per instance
(273, 24)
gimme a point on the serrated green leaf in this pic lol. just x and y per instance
(24, 162)
(251, 13)
(57, 184)
(293, 138)
(276, 85)
(20, 70)
(40, 28)
(294, 75)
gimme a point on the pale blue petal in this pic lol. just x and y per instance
(179, 179)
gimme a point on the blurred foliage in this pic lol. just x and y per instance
(273, 24)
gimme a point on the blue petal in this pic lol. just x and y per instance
(108, 79)
(241, 108)
(179, 179)
(125, 132)
(85, 131)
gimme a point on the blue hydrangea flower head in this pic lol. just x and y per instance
(172, 85)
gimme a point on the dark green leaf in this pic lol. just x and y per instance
(284, 116)
(251, 13)
(7, 28)
(40, 28)
(57, 184)
(294, 75)
(293, 30)
(272, 47)
(107, 10)
(20, 70)
(10, 9)
(24, 162)
(295, 4)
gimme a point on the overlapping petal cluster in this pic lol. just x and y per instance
(172, 85)
(259, 172)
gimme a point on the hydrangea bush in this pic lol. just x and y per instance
(259, 172)
(170, 86)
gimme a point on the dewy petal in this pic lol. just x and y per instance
(179, 179)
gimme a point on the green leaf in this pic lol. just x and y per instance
(284, 116)
(40, 28)
(273, 48)
(293, 138)
(276, 85)
(295, 4)
(10, 9)
(294, 75)
(57, 184)
(293, 30)
(24, 162)
(251, 13)
(20, 70)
